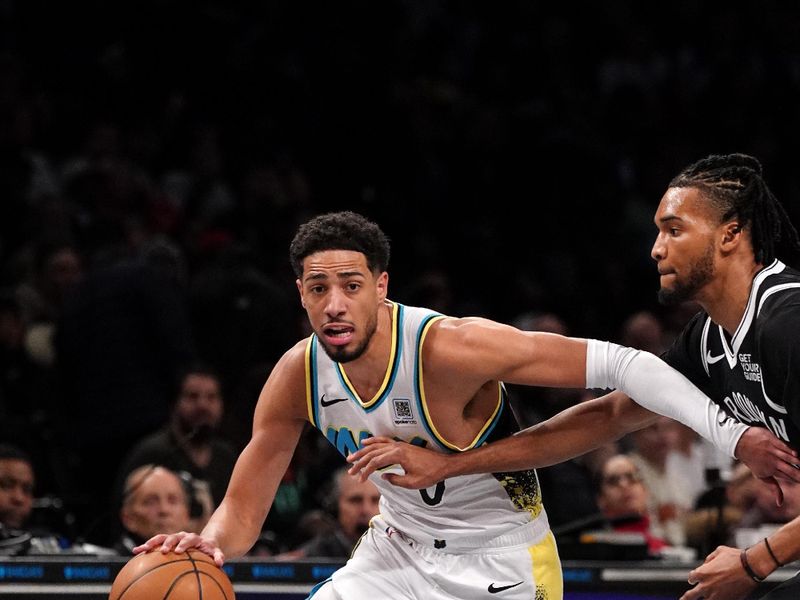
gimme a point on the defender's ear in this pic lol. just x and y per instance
(731, 231)
(731, 236)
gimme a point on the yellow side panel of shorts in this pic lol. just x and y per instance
(547, 569)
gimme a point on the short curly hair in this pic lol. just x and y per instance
(343, 230)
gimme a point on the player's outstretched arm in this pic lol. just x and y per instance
(571, 433)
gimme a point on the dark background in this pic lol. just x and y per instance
(514, 152)
(519, 147)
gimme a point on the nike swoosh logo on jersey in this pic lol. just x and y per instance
(502, 588)
(712, 359)
(330, 402)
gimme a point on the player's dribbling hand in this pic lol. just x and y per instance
(181, 542)
(423, 468)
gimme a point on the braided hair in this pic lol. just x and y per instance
(734, 186)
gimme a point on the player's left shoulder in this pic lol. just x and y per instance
(453, 345)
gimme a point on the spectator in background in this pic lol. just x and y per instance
(686, 463)
(20, 531)
(353, 504)
(123, 336)
(643, 331)
(622, 497)
(650, 448)
(57, 268)
(190, 440)
(153, 498)
(25, 418)
(720, 511)
(241, 320)
(16, 487)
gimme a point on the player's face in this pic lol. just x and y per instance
(342, 297)
(684, 248)
(16, 492)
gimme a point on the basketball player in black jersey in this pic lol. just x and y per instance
(721, 237)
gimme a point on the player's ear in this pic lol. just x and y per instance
(731, 233)
(382, 285)
(299, 285)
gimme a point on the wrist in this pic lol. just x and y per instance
(751, 566)
(457, 464)
(760, 559)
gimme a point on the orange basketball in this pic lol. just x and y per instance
(190, 575)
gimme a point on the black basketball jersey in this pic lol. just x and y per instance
(755, 374)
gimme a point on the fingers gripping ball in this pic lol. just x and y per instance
(189, 575)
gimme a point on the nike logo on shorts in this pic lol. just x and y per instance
(493, 590)
(330, 402)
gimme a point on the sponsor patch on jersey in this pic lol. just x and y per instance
(403, 413)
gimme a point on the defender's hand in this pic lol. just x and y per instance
(181, 542)
(768, 457)
(423, 468)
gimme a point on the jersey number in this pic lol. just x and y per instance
(437, 495)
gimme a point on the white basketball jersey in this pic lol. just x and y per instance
(465, 511)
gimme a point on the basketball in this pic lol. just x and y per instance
(191, 575)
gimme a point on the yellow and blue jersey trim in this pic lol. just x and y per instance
(391, 371)
(312, 394)
(427, 421)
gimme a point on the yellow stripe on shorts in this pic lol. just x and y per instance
(547, 569)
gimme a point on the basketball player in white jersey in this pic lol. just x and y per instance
(376, 368)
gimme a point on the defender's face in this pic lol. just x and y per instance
(342, 297)
(684, 248)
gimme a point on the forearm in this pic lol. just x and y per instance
(570, 433)
(233, 532)
(236, 524)
(785, 545)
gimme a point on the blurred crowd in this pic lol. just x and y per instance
(155, 158)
